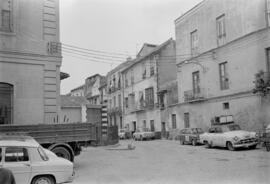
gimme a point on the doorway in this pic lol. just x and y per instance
(163, 130)
(186, 120)
(6, 103)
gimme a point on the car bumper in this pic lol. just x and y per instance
(71, 178)
(245, 145)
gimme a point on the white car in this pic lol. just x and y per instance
(32, 164)
(143, 134)
(230, 136)
(122, 133)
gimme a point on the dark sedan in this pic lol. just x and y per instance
(190, 136)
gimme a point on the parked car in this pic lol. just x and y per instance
(190, 136)
(143, 134)
(229, 135)
(31, 163)
(265, 137)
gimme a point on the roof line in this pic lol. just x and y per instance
(189, 11)
(158, 48)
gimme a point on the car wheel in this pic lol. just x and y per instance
(194, 142)
(182, 142)
(253, 146)
(207, 145)
(43, 180)
(62, 152)
(230, 146)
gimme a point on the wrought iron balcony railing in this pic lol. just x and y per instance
(194, 95)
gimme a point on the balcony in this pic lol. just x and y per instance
(115, 111)
(137, 107)
(192, 96)
(113, 89)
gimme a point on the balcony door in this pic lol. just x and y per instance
(196, 82)
(6, 103)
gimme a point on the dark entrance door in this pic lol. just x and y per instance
(6, 101)
(186, 120)
(163, 130)
(134, 127)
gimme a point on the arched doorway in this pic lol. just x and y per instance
(6, 103)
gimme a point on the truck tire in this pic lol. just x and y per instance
(43, 180)
(230, 146)
(62, 152)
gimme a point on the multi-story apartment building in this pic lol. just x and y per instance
(91, 88)
(220, 47)
(115, 94)
(30, 60)
(153, 66)
(79, 91)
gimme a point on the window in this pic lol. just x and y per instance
(152, 68)
(268, 12)
(132, 77)
(14, 154)
(196, 82)
(126, 80)
(194, 42)
(152, 125)
(0, 154)
(186, 120)
(6, 103)
(221, 30)
(126, 102)
(226, 105)
(174, 121)
(149, 96)
(114, 101)
(42, 154)
(6, 15)
(224, 80)
(119, 101)
(144, 124)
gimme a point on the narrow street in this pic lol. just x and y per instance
(163, 161)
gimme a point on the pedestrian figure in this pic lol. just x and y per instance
(6, 176)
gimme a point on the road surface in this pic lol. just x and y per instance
(168, 162)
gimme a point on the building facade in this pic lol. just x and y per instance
(92, 85)
(30, 60)
(220, 47)
(142, 80)
(79, 91)
(115, 98)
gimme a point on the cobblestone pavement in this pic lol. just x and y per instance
(164, 161)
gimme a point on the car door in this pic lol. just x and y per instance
(218, 137)
(17, 160)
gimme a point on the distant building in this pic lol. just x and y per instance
(92, 85)
(79, 91)
(115, 100)
(142, 82)
(220, 47)
(30, 60)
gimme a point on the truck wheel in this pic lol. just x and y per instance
(207, 145)
(230, 146)
(62, 152)
(43, 180)
(194, 142)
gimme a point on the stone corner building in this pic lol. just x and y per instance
(30, 60)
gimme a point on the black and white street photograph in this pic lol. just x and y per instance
(135, 91)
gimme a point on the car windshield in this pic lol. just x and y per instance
(197, 130)
(42, 154)
(233, 127)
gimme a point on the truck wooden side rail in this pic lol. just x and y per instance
(65, 140)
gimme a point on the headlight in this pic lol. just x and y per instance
(236, 138)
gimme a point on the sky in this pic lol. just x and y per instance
(115, 26)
